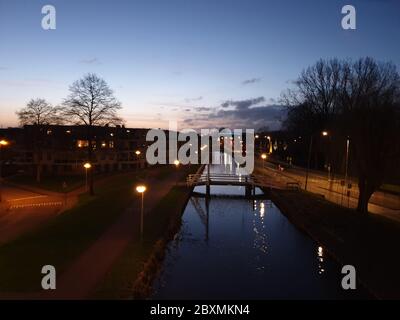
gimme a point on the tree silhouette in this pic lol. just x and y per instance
(39, 113)
(91, 103)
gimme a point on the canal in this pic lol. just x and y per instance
(236, 248)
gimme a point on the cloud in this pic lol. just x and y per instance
(202, 109)
(244, 114)
(189, 100)
(242, 104)
(251, 81)
(90, 61)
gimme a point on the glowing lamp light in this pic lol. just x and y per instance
(141, 189)
(4, 143)
(87, 165)
(324, 133)
(176, 162)
(320, 251)
(137, 152)
(263, 156)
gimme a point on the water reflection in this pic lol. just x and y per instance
(245, 250)
(320, 253)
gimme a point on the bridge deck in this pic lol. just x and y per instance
(194, 180)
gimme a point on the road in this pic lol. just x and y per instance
(381, 202)
(24, 210)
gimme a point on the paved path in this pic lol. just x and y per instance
(81, 278)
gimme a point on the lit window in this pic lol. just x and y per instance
(82, 143)
(111, 144)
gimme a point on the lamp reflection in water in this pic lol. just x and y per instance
(262, 210)
(320, 256)
(260, 236)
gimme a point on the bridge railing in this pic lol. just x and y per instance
(194, 179)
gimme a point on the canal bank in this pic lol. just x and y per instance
(369, 242)
(132, 274)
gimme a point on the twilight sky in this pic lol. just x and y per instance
(205, 63)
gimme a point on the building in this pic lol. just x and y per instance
(62, 150)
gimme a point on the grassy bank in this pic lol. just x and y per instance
(369, 242)
(132, 274)
(66, 236)
(50, 183)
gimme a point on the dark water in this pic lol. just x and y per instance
(245, 249)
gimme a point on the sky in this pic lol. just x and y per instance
(203, 63)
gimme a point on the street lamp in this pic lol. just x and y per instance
(346, 167)
(324, 134)
(263, 157)
(141, 189)
(3, 143)
(177, 163)
(269, 144)
(87, 166)
(138, 153)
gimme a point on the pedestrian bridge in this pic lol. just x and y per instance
(250, 182)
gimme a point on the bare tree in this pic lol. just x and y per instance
(357, 100)
(313, 99)
(370, 116)
(39, 113)
(91, 102)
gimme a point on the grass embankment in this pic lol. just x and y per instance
(63, 238)
(369, 242)
(50, 183)
(132, 275)
(392, 188)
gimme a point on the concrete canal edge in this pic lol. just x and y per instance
(143, 285)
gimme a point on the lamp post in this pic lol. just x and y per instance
(138, 153)
(3, 143)
(324, 134)
(346, 168)
(263, 157)
(269, 145)
(87, 166)
(141, 189)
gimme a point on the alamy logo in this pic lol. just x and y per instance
(49, 20)
(197, 147)
(349, 280)
(349, 20)
(49, 280)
